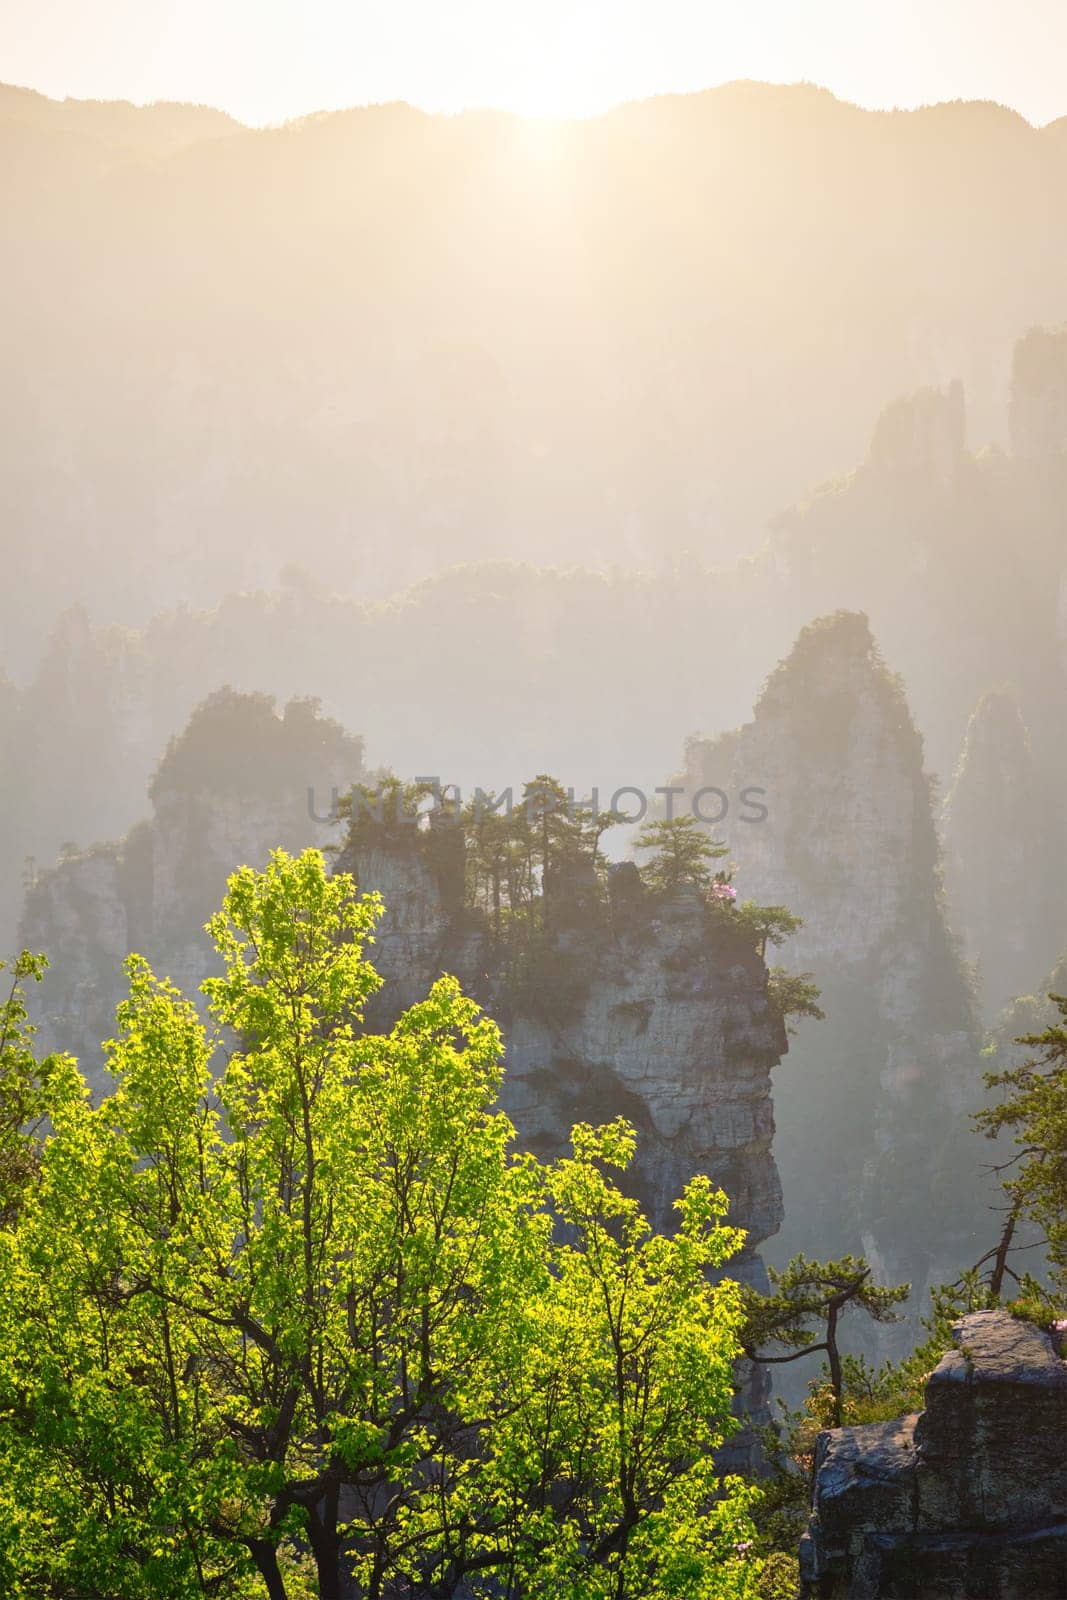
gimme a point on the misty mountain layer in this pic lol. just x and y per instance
(378, 341)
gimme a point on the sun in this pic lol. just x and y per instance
(542, 140)
(561, 90)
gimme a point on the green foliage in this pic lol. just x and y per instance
(532, 869)
(386, 814)
(879, 1394)
(1034, 1305)
(646, 1343)
(1035, 1109)
(767, 924)
(319, 1317)
(780, 1577)
(807, 1299)
(498, 861)
(682, 853)
(520, 853)
(793, 994)
(26, 1088)
(803, 1291)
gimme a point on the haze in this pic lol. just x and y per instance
(267, 60)
(652, 426)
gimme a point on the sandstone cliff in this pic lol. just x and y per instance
(1037, 411)
(229, 790)
(655, 1009)
(668, 1022)
(922, 437)
(966, 1500)
(873, 1143)
(1004, 856)
(956, 554)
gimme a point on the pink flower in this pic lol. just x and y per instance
(724, 891)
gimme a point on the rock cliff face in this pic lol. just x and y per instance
(667, 1022)
(228, 791)
(1038, 408)
(1003, 855)
(925, 536)
(966, 1500)
(922, 435)
(676, 1031)
(873, 1138)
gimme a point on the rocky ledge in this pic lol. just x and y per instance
(966, 1500)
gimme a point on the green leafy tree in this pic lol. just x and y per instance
(1035, 1110)
(316, 1322)
(385, 814)
(518, 854)
(682, 853)
(767, 924)
(490, 858)
(24, 1087)
(605, 1451)
(594, 824)
(803, 1313)
(802, 1317)
(793, 994)
(551, 829)
(562, 835)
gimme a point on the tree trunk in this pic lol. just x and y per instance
(326, 1545)
(265, 1557)
(1000, 1263)
(834, 1358)
(328, 1567)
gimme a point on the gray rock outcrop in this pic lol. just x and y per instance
(874, 1138)
(667, 1022)
(966, 1500)
(1037, 410)
(230, 789)
(1004, 854)
(924, 434)
(670, 1024)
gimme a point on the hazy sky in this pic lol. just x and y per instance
(266, 60)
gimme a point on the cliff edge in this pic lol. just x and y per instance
(966, 1500)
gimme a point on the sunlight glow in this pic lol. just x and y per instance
(269, 60)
